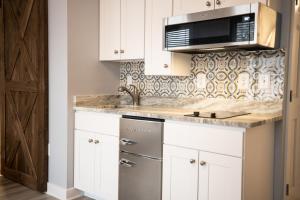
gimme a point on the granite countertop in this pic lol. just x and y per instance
(175, 109)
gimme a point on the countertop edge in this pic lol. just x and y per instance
(228, 123)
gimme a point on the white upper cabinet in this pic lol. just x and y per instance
(110, 29)
(122, 29)
(132, 29)
(229, 3)
(157, 60)
(182, 7)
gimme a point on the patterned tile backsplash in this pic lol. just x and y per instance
(229, 75)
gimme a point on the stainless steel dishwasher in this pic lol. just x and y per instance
(141, 141)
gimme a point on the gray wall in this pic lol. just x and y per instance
(74, 69)
(86, 74)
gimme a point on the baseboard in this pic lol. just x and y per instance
(62, 193)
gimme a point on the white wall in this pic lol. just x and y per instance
(74, 69)
(58, 91)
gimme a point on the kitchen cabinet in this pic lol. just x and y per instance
(122, 29)
(110, 29)
(180, 171)
(229, 3)
(157, 60)
(182, 7)
(220, 177)
(96, 164)
(193, 175)
(96, 154)
(84, 165)
(208, 162)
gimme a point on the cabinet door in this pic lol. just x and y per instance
(180, 173)
(110, 29)
(229, 3)
(106, 167)
(191, 6)
(132, 29)
(157, 61)
(220, 177)
(84, 161)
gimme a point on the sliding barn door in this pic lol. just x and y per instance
(24, 91)
(292, 165)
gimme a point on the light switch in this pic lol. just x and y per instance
(244, 81)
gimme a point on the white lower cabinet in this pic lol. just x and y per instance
(96, 164)
(196, 175)
(180, 173)
(220, 177)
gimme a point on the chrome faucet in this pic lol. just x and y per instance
(134, 93)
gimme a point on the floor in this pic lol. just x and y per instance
(13, 191)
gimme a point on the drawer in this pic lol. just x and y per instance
(210, 138)
(103, 123)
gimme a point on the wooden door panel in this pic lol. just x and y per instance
(24, 85)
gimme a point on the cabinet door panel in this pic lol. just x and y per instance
(191, 6)
(132, 29)
(229, 3)
(110, 29)
(106, 167)
(220, 177)
(84, 161)
(180, 173)
(155, 57)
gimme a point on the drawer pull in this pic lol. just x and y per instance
(208, 4)
(202, 163)
(192, 161)
(97, 142)
(90, 140)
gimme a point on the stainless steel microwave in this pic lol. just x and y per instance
(251, 26)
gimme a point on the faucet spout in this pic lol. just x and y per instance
(135, 94)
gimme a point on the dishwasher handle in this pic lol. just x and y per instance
(127, 163)
(125, 142)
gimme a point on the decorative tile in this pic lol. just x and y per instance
(220, 73)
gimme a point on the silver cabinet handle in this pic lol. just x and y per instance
(122, 51)
(166, 65)
(127, 163)
(218, 2)
(208, 4)
(90, 140)
(116, 51)
(192, 161)
(202, 163)
(96, 141)
(125, 142)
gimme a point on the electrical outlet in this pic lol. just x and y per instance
(201, 81)
(129, 80)
(244, 81)
(264, 81)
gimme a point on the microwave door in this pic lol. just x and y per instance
(229, 31)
